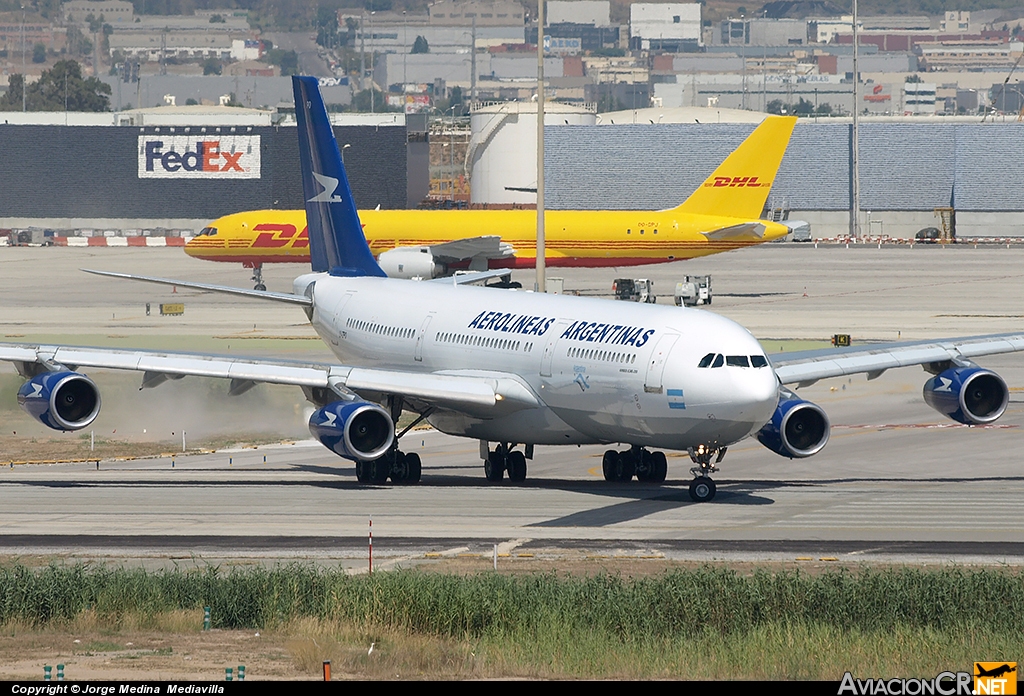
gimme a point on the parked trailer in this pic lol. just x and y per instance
(634, 290)
(693, 291)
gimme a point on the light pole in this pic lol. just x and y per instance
(343, 148)
(540, 285)
(373, 65)
(24, 81)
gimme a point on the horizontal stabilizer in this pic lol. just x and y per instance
(470, 277)
(257, 294)
(489, 247)
(747, 230)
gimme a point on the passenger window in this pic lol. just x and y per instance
(737, 361)
(719, 361)
(706, 360)
(758, 361)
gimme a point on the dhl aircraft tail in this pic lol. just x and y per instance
(740, 185)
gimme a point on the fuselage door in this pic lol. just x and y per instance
(549, 347)
(421, 336)
(334, 318)
(656, 363)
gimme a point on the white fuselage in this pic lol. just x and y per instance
(603, 371)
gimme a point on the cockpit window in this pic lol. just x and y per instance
(207, 232)
(758, 361)
(719, 361)
(706, 360)
(737, 361)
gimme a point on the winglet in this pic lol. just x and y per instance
(739, 186)
(336, 241)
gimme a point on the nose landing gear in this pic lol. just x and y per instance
(702, 488)
(257, 277)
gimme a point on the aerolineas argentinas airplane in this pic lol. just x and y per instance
(513, 368)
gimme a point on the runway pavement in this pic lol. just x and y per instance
(896, 481)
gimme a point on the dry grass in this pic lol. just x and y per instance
(171, 646)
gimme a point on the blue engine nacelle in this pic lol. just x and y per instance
(61, 400)
(356, 430)
(797, 429)
(969, 395)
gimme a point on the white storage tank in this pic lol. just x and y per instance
(502, 154)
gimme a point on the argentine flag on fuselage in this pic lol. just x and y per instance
(336, 241)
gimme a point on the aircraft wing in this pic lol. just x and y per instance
(483, 394)
(489, 247)
(805, 368)
(746, 230)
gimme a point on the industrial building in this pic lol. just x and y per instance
(907, 170)
(153, 178)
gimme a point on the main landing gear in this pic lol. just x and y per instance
(399, 466)
(636, 461)
(504, 459)
(702, 488)
(257, 277)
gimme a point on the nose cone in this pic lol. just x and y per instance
(736, 390)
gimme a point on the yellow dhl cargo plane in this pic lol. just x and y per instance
(721, 215)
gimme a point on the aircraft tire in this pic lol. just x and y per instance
(702, 489)
(659, 467)
(261, 287)
(380, 469)
(516, 466)
(626, 467)
(413, 468)
(399, 468)
(609, 463)
(362, 471)
(494, 467)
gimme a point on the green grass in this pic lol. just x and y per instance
(677, 603)
(709, 623)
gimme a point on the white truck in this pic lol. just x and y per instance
(693, 291)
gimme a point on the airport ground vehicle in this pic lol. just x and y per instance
(515, 369)
(634, 290)
(693, 291)
(721, 215)
(932, 235)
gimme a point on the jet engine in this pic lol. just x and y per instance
(357, 430)
(797, 429)
(61, 400)
(969, 395)
(411, 262)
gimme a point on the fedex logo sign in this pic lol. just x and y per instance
(204, 157)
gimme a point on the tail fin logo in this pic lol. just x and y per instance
(735, 181)
(330, 185)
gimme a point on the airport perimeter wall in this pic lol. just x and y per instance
(906, 171)
(53, 173)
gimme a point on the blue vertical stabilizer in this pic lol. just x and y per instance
(336, 240)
